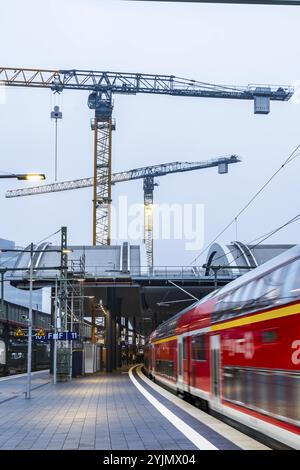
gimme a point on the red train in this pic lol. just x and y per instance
(238, 350)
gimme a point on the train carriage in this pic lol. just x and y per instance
(238, 350)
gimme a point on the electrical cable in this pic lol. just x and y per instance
(288, 160)
(262, 238)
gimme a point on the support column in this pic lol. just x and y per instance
(134, 338)
(111, 329)
(118, 335)
(154, 321)
(118, 342)
(126, 340)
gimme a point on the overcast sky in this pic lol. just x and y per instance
(226, 44)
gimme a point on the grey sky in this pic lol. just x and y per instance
(226, 44)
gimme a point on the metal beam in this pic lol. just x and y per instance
(102, 182)
(133, 83)
(137, 173)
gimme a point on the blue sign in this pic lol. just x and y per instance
(62, 336)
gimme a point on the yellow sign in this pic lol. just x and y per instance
(41, 332)
(19, 332)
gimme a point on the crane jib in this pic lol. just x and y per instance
(137, 173)
(133, 83)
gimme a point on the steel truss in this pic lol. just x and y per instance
(148, 187)
(102, 181)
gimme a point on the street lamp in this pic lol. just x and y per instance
(25, 176)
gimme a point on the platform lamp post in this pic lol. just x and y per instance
(24, 176)
(29, 348)
(2, 272)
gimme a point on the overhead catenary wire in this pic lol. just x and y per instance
(261, 239)
(266, 235)
(295, 153)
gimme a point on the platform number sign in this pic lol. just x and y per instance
(61, 336)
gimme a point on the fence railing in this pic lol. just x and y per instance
(159, 272)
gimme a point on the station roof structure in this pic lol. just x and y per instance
(238, 258)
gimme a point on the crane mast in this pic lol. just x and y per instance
(102, 85)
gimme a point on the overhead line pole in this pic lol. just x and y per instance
(29, 344)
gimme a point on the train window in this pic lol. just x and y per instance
(275, 287)
(234, 303)
(241, 300)
(273, 393)
(165, 368)
(198, 348)
(218, 309)
(269, 336)
(270, 288)
(292, 284)
(227, 305)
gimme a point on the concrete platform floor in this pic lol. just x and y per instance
(101, 411)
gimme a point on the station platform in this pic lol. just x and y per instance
(117, 411)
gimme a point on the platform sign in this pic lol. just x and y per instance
(62, 336)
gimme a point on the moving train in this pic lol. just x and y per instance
(237, 350)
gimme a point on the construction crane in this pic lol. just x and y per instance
(102, 86)
(147, 174)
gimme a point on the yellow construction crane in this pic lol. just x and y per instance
(101, 86)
